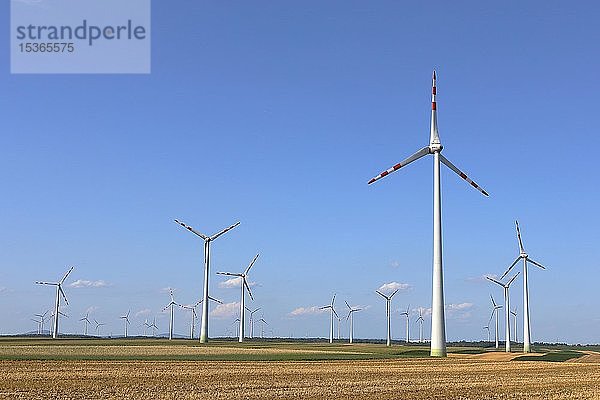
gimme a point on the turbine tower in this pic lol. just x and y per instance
(420, 321)
(332, 313)
(125, 319)
(171, 304)
(514, 314)
(438, 324)
(86, 321)
(350, 316)
(59, 292)
(388, 313)
(505, 286)
(407, 314)
(495, 308)
(525, 257)
(244, 286)
(207, 240)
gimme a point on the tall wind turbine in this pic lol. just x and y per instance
(514, 314)
(331, 314)
(193, 311)
(438, 322)
(407, 315)
(86, 321)
(171, 304)
(420, 321)
(207, 240)
(252, 320)
(388, 313)
(244, 286)
(98, 325)
(125, 319)
(495, 308)
(59, 292)
(505, 286)
(525, 257)
(350, 316)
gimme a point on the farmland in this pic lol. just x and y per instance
(110, 369)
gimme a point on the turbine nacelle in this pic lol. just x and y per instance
(435, 147)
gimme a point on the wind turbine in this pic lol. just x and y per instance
(252, 320)
(407, 314)
(153, 326)
(339, 320)
(505, 286)
(388, 313)
(125, 319)
(262, 330)
(42, 317)
(172, 318)
(59, 292)
(207, 240)
(243, 284)
(86, 321)
(420, 321)
(52, 317)
(488, 332)
(438, 324)
(495, 308)
(332, 313)
(37, 322)
(98, 325)
(193, 310)
(350, 316)
(525, 257)
(514, 314)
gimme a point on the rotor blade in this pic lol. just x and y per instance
(511, 266)
(228, 273)
(519, 237)
(495, 281)
(333, 300)
(423, 152)
(462, 174)
(335, 313)
(247, 287)
(216, 235)
(325, 307)
(65, 277)
(395, 291)
(251, 264)
(491, 316)
(381, 294)
(347, 305)
(512, 279)
(189, 228)
(63, 294)
(210, 298)
(46, 283)
(493, 302)
(535, 263)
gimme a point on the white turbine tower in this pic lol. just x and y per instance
(125, 319)
(388, 313)
(59, 292)
(514, 314)
(244, 286)
(350, 317)
(207, 240)
(171, 304)
(86, 321)
(495, 308)
(505, 286)
(407, 315)
(98, 325)
(438, 324)
(332, 313)
(193, 311)
(252, 320)
(525, 257)
(420, 321)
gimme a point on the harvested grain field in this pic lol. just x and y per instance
(451, 378)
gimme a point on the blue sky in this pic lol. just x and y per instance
(277, 114)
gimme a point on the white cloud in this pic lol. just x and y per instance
(80, 283)
(144, 312)
(301, 311)
(458, 307)
(234, 283)
(425, 311)
(91, 309)
(392, 286)
(459, 311)
(395, 264)
(226, 310)
(3, 289)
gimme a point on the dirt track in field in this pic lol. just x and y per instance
(452, 378)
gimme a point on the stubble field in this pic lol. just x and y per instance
(185, 370)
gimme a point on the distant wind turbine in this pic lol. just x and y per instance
(514, 314)
(193, 311)
(262, 330)
(42, 318)
(495, 308)
(252, 320)
(420, 321)
(438, 324)
(207, 240)
(59, 292)
(350, 316)
(505, 286)
(244, 286)
(488, 332)
(153, 326)
(388, 313)
(407, 315)
(126, 322)
(332, 313)
(86, 321)
(98, 325)
(525, 257)
(171, 304)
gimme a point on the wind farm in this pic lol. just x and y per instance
(269, 207)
